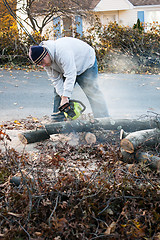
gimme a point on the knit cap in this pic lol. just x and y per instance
(37, 53)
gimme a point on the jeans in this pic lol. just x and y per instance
(88, 81)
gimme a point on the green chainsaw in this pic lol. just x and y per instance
(73, 109)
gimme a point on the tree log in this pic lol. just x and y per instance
(83, 126)
(136, 139)
(152, 161)
(35, 136)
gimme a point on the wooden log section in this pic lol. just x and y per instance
(152, 161)
(139, 138)
(84, 126)
(35, 136)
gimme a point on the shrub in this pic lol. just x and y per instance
(118, 48)
(119, 42)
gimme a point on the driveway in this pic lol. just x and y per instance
(25, 93)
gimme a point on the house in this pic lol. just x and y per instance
(124, 12)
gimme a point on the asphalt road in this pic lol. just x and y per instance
(25, 93)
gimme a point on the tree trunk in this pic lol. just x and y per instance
(83, 126)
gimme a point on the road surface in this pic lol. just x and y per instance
(25, 93)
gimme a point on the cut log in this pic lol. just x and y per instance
(152, 161)
(136, 139)
(127, 157)
(85, 126)
(35, 136)
(90, 138)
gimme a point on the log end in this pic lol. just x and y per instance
(22, 139)
(127, 145)
(90, 138)
(35, 136)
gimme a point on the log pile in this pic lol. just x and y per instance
(132, 143)
(137, 134)
(84, 126)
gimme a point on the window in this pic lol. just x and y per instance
(67, 24)
(79, 29)
(57, 27)
(140, 16)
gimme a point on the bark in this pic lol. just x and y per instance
(152, 161)
(84, 126)
(35, 136)
(131, 144)
(127, 157)
(140, 138)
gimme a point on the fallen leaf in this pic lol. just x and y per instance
(17, 122)
(110, 229)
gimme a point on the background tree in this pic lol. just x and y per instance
(33, 9)
(6, 20)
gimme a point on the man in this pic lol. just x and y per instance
(68, 61)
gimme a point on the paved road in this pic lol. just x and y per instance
(30, 93)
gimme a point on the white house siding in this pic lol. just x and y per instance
(108, 16)
(48, 29)
(22, 16)
(124, 17)
(151, 14)
(129, 17)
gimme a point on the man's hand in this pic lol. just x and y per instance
(64, 100)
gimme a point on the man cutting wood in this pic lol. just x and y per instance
(68, 61)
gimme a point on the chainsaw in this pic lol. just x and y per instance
(73, 109)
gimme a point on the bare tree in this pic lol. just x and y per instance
(47, 9)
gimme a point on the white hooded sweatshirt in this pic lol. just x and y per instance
(70, 57)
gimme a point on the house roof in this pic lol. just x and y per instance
(144, 2)
(41, 6)
(133, 2)
(94, 3)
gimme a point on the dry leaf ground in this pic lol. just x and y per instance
(66, 188)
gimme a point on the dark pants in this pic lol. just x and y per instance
(88, 81)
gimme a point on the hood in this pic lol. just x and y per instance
(50, 46)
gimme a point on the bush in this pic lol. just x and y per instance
(118, 48)
(14, 47)
(118, 43)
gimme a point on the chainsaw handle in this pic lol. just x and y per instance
(84, 107)
(63, 107)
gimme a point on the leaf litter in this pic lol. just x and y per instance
(74, 186)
